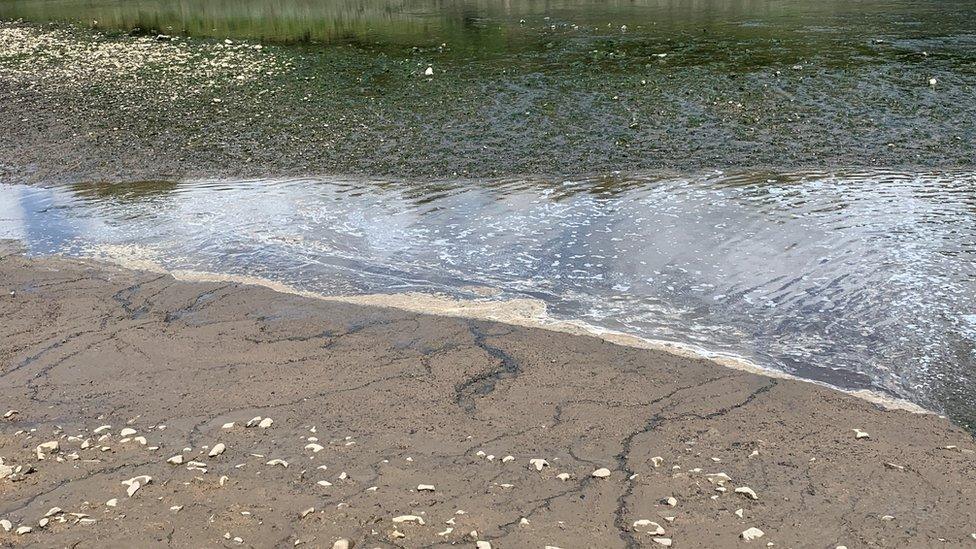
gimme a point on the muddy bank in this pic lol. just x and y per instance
(78, 104)
(368, 404)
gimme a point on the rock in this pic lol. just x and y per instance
(141, 440)
(506, 459)
(430, 72)
(217, 449)
(101, 429)
(746, 491)
(223, 480)
(133, 488)
(671, 501)
(753, 533)
(23, 530)
(176, 508)
(5, 470)
(657, 461)
(933, 82)
(46, 447)
(482, 545)
(281, 462)
(253, 421)
(425, 487)
(324, 483)
(445, 532)
(112, 502)
(127, 432)
(408, 518)
(135, 483)
(649, 527)
(738, 513)
(662, 541)
(6, 525)
(265, 423)
(859, 434)
(538, 463)
(53, 511)
(563, 476)
(307, 512)
(396, 534)
(523, 521)
(175, 460)
(342, 544)
(43, 522)
(315, 448)
(10, 413)
(602, 472)
(229, 425)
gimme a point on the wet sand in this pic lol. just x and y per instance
(366, 404)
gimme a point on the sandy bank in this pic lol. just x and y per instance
(369, 403)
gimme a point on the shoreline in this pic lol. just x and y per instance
(524, 312)
(384, 420)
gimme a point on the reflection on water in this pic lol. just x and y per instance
(863, 280)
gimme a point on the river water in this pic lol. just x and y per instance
(858, 279)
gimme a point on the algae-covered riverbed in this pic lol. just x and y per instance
(533, 88)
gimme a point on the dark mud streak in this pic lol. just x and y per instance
(484, 383)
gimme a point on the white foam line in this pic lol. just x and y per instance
(530, 313)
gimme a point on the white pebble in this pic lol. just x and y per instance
(746, 491)
(602, 472)
(217, 449)
(408, 518)
(753, 533)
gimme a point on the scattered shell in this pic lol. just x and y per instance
(253, 421)
(408, 518)
(602, 472)
(43, 522)
(746, 491)
(753, 533)
(445, 532)
(425, 487)
(217, 449)
(523, 521)
(649, 527)
(10, 413)
(538, 463)
(223, 480)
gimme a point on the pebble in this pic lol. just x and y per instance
(933, 82)
(718, 478)
(10, 413)
(101, 429)
(112, 502)
(746, 491)
(662, 541)
(523, 521)
(408, 518)
(738, 513)
(281, 462)
(176, 508)
(859, 434)
(24, 530)
(45, 447)
(342, 544)
(52, 511)
(753, 533)
(506, 459)
(563, 476)
(6, 525)
(429, 71)
(307, 512)
(483, 545)
(538, 463)
(127, 432)
(217, 449)
(602, 472)
(315, 448)
(672, 501)
(324, 483)
(227, 425)
(265, 423)
(425, 487)
(657, 461)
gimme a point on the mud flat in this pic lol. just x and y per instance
(139, 410)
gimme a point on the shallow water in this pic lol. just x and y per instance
(858, 279)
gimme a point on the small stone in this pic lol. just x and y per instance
(265, 423)
(751, 534)
(253, 421)
(112, 502)
(176, 508)
(933, 82)
(307, 512)
(718, 478)
(506, 459)
(425, 487)
(101, 429)
(52, 511)
(662, 541)
(602, 472)
(746, 491)
(859, 434)
(20, 531)
(523, 521)
(227, 425)
(538, 463)
(140, 440)
(482, 545)
(43, 522)
(342, 544)
(315, 448)
(671, 501)
(657, 461)
(738, 513)
(6, 525)
(429, 71)
(754, 453)
(175, 460)
(127, 432)
(563, 476)
(46, 447)
(217, 449)
(396, 534)
(408, 518)
(324, 483)
(281, 462)
(10, 413)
